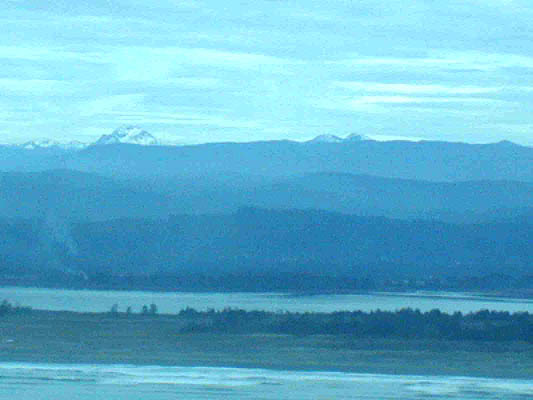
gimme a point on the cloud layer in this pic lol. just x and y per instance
(192, 71)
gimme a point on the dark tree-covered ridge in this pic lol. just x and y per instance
(257, 242)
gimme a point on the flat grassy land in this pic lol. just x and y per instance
(66, 337)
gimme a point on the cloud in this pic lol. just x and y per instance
(464, 106)
(405, 88)
(34, 86)
(49, 54)
(148, 64)
(165, 4)
(109, 104)
(510, 127)
(443, 59)
(195, 83)
(419, 100)
(284, 68)
(179, 118)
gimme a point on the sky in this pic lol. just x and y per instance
(209, 71)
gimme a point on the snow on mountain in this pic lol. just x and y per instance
(52, 144)
(354, 137)
(129, 135)
(326, 139)
(125, 134)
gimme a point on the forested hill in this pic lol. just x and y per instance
(258, 241)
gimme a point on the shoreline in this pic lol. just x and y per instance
(501, 296)
(370, 371)
(76, 338)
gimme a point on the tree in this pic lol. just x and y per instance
(114, 309)
(5, 307)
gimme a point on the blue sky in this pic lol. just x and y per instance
(202, 71)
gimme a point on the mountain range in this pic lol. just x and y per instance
(129, 134)
(127, 203)
(130, 153)
(130, 174)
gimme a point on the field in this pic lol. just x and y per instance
(65, 337)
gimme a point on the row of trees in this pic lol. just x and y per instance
(145, 310)
(404, 324)
(7, 308)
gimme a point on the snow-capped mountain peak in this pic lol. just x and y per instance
(43, 143)
(125, 134)
(354, 137)
(50, 144)
(326, 139)
(130, 135)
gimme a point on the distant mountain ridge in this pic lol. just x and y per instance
(431, 161)
(130, 135)
(354, 137)
(130, 152)
(84, 196)
(47, 143)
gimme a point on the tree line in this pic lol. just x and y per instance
(407, 323)
(402, 324)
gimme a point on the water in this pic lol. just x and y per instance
(27, 381)
(101, 301)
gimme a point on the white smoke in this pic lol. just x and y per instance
(56, 231)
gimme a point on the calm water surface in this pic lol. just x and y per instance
(100, 301)
(94, 382)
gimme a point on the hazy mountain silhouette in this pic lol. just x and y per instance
(432, 161)
(398, 198)
(256, 240)
(129, 208)
(77, 196)
(83, 196)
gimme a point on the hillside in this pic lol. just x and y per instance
(255, 241)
